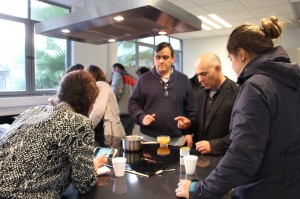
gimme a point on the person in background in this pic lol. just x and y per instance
(122, 85)
(195, 85)
(263, 160)
(75, 67)
(161, 98)
(142, 70)
(48, 147)
(105, 114)
(215, 100)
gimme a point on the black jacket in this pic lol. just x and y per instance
(216, 128)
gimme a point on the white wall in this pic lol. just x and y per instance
(87, 54)
(192, 48)
(16, 105)
(290, 40)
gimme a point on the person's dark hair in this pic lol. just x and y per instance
(75, 67)
(79, 90)
(163, 45)
(253, 38)
(142, 70)
(96, 72)
(118, 65)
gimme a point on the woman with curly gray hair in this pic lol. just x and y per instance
(48, 147)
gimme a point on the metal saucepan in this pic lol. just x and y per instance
(134, 143)
(132, 157)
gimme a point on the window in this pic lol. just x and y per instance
(12, 56)
(29, 63)
(159, 39)
(126, 53)
(16, 8)
(147, 40)
(145, 55)
(140, 52)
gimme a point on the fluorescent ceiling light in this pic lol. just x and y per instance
(111, 40)
(205, 27)
(220, 20)
(209, 22)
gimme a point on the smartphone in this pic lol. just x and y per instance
(110, 153)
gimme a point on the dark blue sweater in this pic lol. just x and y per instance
(148, 97)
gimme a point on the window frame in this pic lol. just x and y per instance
(29, 23)
(140, 43)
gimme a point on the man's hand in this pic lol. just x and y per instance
(203, 147)
(183, 188)
(148, 119)
(189, 140)
(183, 122)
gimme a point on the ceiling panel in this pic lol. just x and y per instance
(240, 22)
(197, 11)
(225, 7)
(233, 16)
(204, 2)
(262, 4)
(272, 10)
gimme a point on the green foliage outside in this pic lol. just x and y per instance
(127, 55)
(51, 61)
(41, 11)
(50, 65)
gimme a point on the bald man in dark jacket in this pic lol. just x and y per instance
(215, 99)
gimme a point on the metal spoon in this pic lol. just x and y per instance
(161, 171)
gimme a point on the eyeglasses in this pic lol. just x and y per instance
(165, 86)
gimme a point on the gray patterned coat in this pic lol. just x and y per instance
(46, 149)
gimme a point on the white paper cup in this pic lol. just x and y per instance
(190, 163)
(119, 166)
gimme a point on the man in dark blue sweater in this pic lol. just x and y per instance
(163, 101)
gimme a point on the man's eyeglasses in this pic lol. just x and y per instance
(165, 85)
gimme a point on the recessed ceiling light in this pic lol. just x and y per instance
(111, 40)
(65, 31)
(162, 32)
(220, 20)
(119, 18)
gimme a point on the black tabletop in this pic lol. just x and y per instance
(133, 186)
